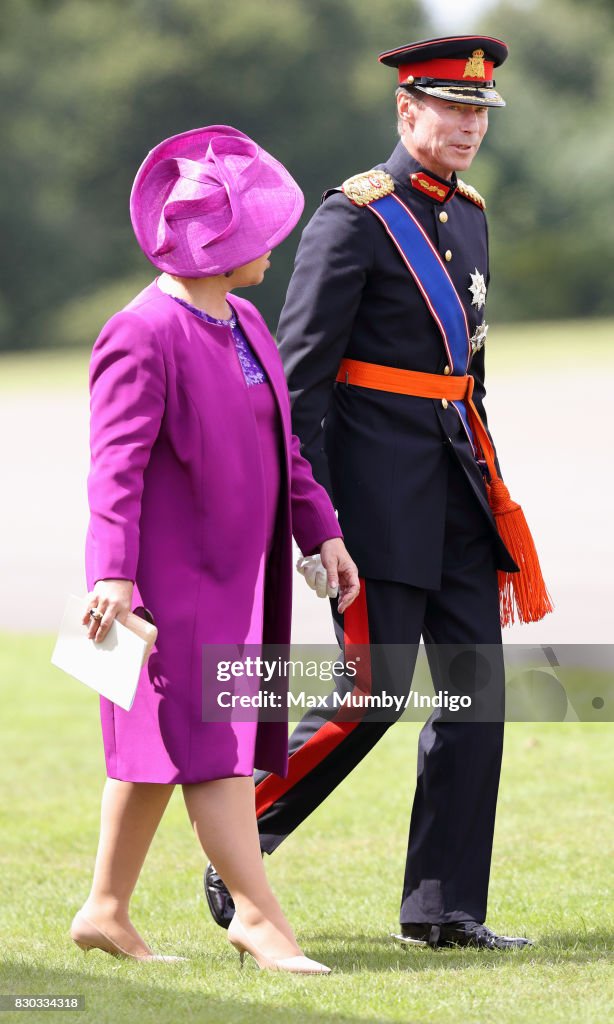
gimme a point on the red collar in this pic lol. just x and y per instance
(436, 189)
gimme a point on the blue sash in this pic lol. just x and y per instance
(434, 283)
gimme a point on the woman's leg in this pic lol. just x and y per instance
(223, 815)
(130, 815)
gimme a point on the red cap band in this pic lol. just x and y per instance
(451, 70)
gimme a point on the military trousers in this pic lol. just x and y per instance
(452, 821)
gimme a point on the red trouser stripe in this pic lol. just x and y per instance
(331, 734)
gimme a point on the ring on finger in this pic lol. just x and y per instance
(96, 615)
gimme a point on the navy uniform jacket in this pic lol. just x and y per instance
(384, 458)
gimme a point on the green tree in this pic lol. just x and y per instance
(89, 86)
(546, 164)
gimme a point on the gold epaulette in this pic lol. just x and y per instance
(365, 188)
(469, 192)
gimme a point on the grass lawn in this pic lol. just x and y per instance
(509, 346)
(338, 878)
(557, 345)
(44, 370)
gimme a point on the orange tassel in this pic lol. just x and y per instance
(523, 592)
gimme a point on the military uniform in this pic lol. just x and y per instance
(405, 475)
(413, 508)
(351, 296)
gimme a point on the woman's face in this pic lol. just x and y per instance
(250, 273)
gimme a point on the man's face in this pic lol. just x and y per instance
(444, 136)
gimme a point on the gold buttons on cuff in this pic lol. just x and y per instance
(443, 217)
(446, 370)
(444, 402)
(448, 255)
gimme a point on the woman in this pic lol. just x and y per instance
(195, 489)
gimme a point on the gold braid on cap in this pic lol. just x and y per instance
(365, 188)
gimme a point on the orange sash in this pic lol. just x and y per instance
(523, 592)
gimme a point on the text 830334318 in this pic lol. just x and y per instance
(41, 1002)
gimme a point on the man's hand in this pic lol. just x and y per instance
(109, 600)
(332, 572)
(314, 572)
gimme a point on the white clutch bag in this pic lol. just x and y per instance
(111, 667)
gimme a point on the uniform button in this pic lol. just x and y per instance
(443, 217)
(446, 370)
(448, 255)
(444, 402)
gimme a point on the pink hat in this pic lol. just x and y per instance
(211, 200)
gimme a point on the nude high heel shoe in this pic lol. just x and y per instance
(88, 935)
(291, 964)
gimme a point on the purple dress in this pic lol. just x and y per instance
(196, 487)
(267, 421)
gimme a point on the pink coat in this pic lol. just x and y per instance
(177, 502)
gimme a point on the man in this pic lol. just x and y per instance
(373, 299)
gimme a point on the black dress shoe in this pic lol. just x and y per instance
(219, 900)
(465, 933)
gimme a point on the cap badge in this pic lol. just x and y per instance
(474, 68)
(477, 289)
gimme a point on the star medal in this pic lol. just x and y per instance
(477, 289)
(478, 338)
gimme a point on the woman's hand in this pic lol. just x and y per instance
(341, 571)
(110, 599)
